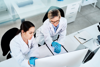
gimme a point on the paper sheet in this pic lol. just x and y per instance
(62, 50)
(84, 35)
(44, 51)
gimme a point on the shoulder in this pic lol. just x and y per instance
(63, 20)
(15, 40)
(46, 22)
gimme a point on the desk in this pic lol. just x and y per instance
(9, 63)
(2, 6)
(70, 44)
(41, 6)
(87, 2)
(43, 52)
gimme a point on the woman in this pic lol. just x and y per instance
(23, 46)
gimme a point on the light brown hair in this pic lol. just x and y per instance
(54, 12)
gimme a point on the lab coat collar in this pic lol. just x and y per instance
(51, 27)
(59, 27)
(23, 43)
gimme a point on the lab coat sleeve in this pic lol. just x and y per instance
(46, 33)
(17, 54)
(62, 34)
(34, 52)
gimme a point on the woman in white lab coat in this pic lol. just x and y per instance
(23, 46)
(55, 25)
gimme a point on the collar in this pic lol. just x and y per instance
(56, 26)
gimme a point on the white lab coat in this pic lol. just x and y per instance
(46, 32)
(21, 52)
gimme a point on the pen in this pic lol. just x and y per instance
(82, 38)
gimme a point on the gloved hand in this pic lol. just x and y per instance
(32, 60)
(57, 47)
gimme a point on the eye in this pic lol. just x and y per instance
(51, 21)
(30, 32)
(58, 20)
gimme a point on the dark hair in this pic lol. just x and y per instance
(25, 26)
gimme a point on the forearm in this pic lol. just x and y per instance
(62, 37)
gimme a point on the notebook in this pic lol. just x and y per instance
(83, 37)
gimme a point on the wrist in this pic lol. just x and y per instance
(28, 62)
(52, 43)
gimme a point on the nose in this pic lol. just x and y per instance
(32, 35)
(55, 24)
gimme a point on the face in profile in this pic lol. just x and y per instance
(55, 21)
(29, 34)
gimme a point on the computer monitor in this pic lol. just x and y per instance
(71, 59)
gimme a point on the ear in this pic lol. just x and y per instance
(59, 16)
(22, 31)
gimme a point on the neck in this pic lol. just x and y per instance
(24, 39)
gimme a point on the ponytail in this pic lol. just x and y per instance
(25, 26)
(18, 32)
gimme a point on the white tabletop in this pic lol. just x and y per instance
(40, 6)
(93, 31)
(43, 52)
(9, 63)
(70, 44)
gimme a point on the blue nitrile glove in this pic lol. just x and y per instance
(32, 60)
(57, 47)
